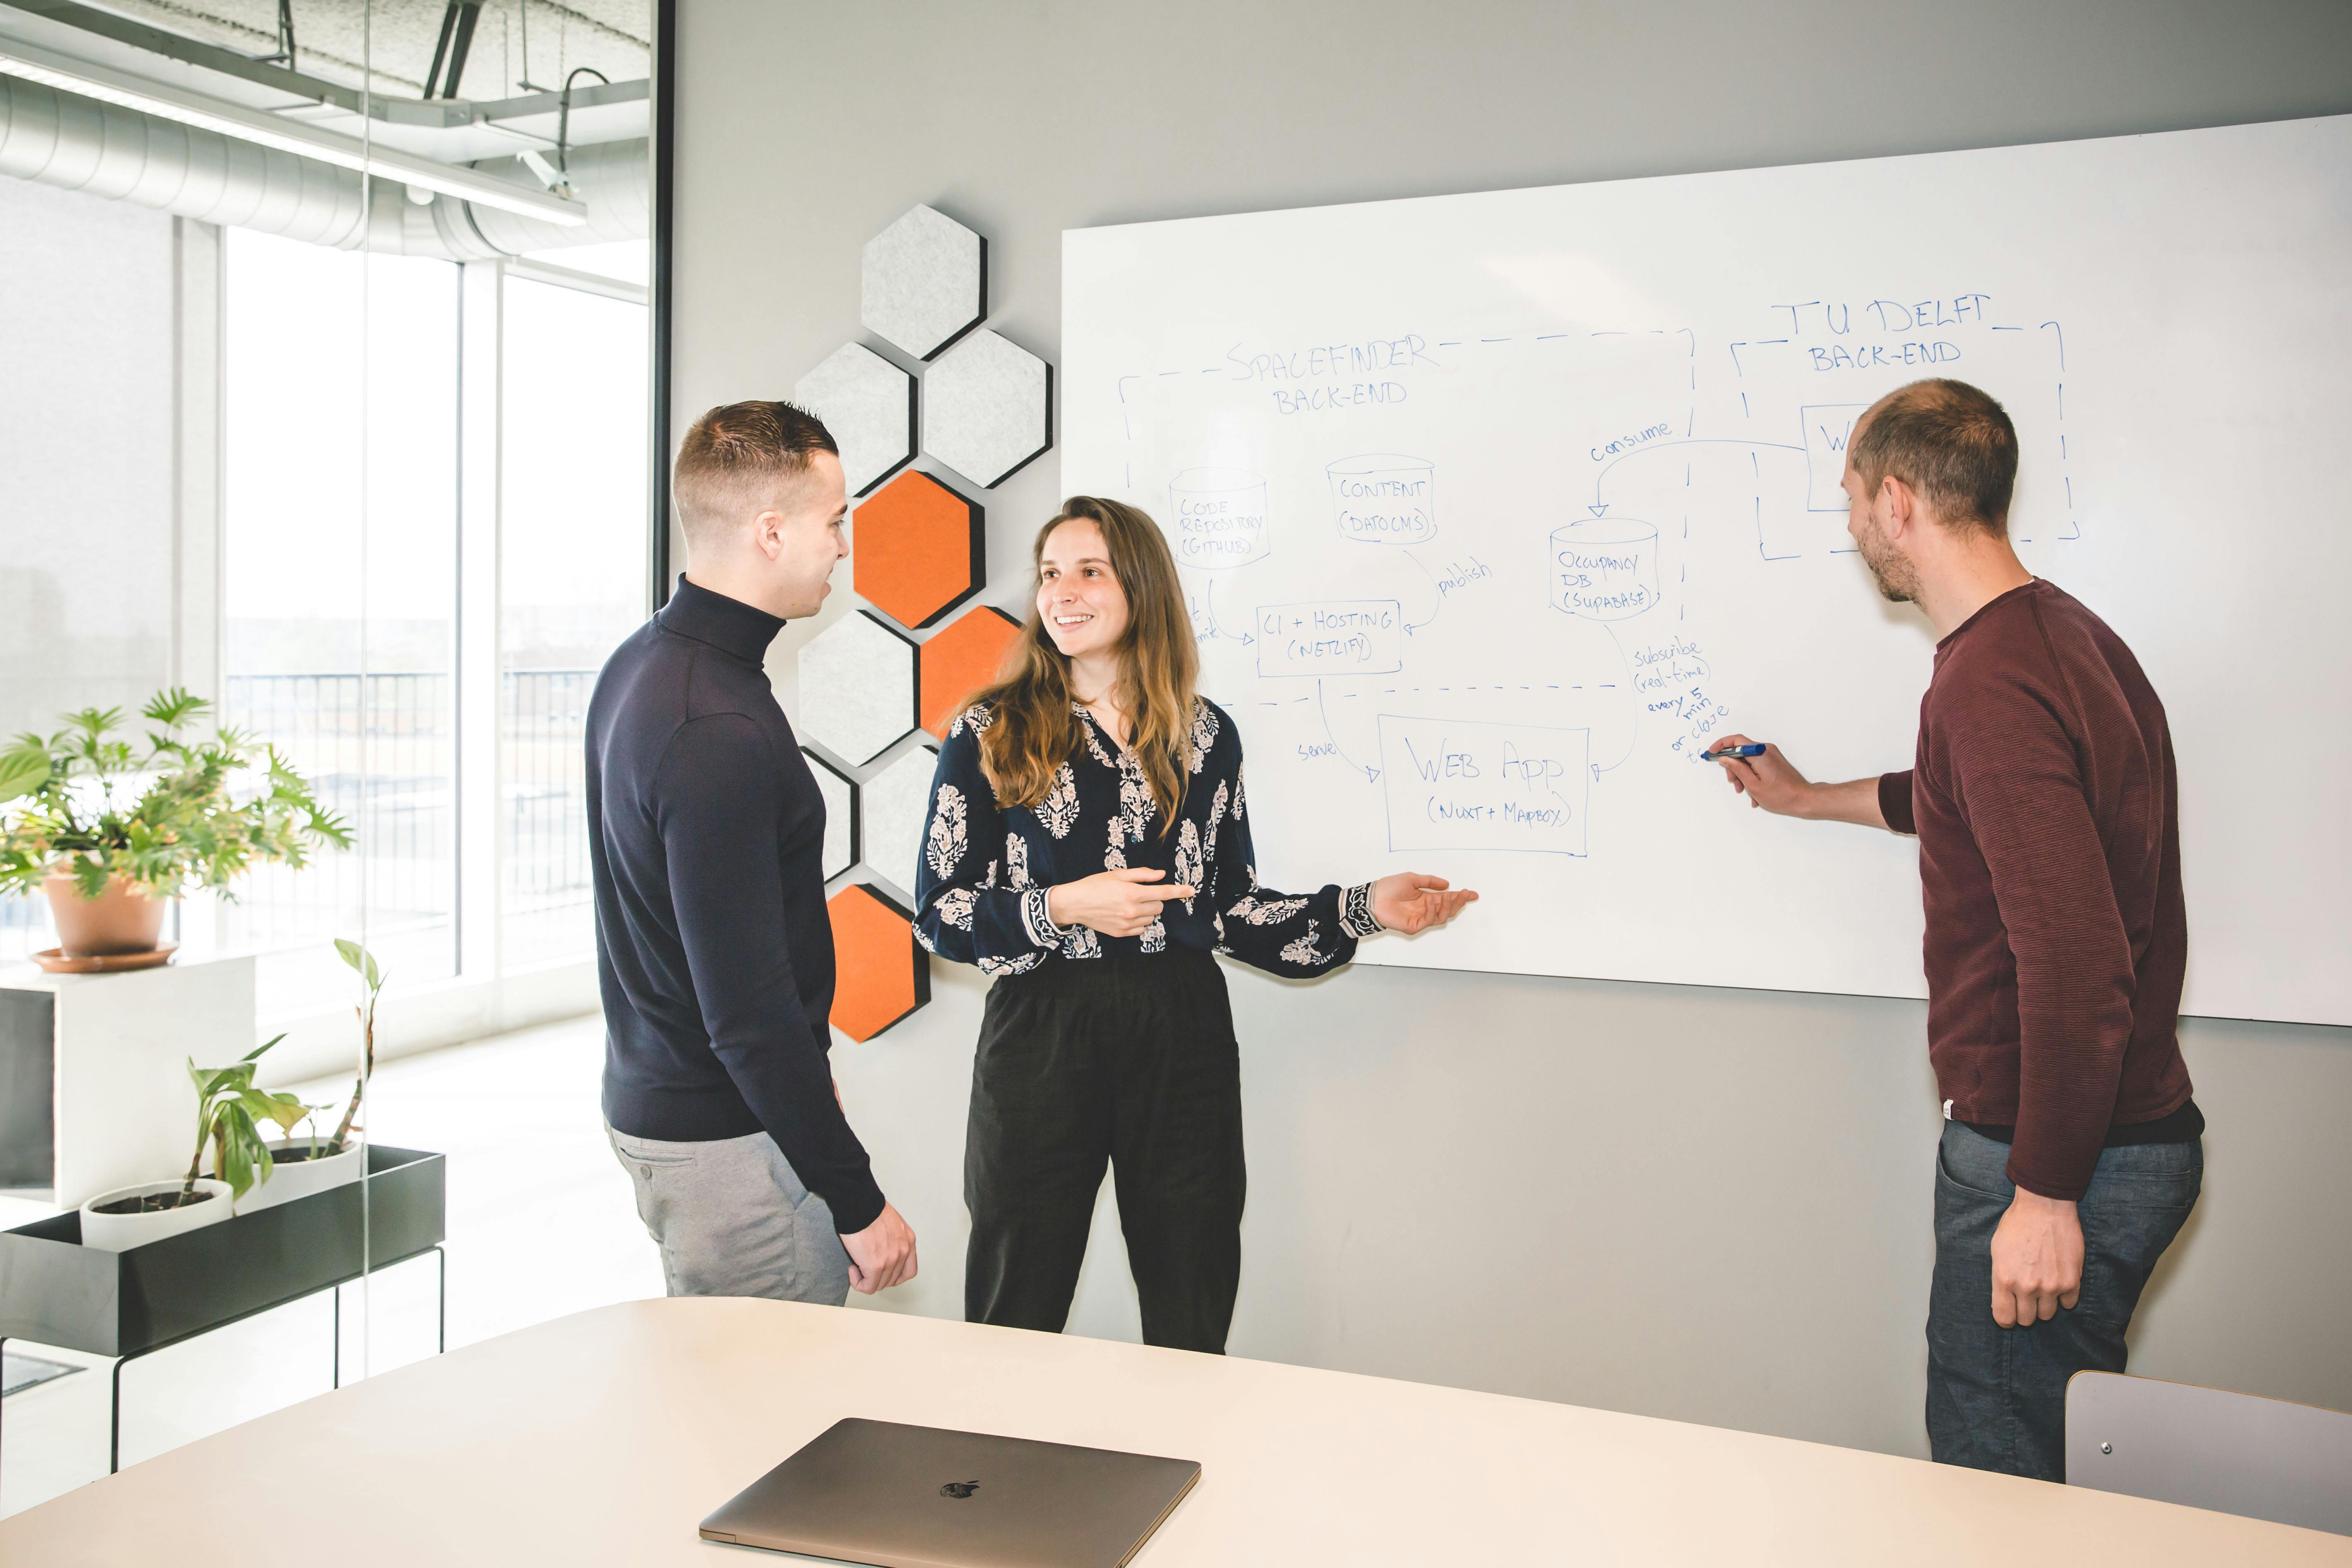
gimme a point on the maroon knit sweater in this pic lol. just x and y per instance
(2044, 802)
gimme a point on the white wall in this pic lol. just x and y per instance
(1705, 1205)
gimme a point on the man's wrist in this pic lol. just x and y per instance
(2033, 1201)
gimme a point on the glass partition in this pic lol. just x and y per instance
(363, 465)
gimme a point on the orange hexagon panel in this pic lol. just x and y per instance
(918, 550)
(959, 661)
(881, 974)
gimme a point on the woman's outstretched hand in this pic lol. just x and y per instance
(1409, 901)
(1116, 903)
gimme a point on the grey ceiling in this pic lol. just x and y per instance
(338, 39)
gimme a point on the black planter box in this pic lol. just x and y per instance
(55, 1291)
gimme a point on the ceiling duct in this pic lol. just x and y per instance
(76, 144)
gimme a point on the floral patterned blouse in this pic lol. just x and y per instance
(980, 894)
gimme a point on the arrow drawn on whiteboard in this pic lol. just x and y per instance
(1435, 586)
(1215, 628)
(1372, 775)
(1635, 733)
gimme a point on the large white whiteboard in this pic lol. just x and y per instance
(1493, 507)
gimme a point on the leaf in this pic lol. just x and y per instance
(264, 1045)
(350, 951)
(23, 770)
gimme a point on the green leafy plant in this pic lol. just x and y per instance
(229, 1114)
(165, 819)
(363, 963)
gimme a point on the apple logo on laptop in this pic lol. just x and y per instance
(959, 1488)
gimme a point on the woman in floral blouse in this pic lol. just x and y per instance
(1090, 847)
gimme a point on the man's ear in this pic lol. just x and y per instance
(767, 533)
(1902, 506)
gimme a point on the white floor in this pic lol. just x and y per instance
(540, 1224)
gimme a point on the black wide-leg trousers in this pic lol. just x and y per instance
(1126, 1061)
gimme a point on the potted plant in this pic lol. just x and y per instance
(229, 1111)
(312, 1165)
(112, 833)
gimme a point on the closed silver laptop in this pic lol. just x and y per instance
(918, 1497)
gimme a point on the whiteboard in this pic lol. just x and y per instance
(1491, 508)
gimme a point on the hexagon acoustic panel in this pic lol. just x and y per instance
(897, 809)
(868, 403)
(925, 282)
(840, 851)
(880, 974)
(988, 407)
(960, 659)
(918, 549)
(857, 687)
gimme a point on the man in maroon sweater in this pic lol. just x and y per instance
(2044, 799)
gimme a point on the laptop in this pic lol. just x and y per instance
(918, 1497)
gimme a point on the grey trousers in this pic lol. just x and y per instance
(732, 1219)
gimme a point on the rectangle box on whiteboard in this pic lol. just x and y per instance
(1827, 427)
(1456, 786)
(1331, 636)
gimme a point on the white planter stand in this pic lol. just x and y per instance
(302, 1178)
(121, 1232)
(114, 1050)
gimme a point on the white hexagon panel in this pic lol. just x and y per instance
(840, 851)
(925, 282)
(987, 407)
(858, 689)
(897, 809)
(868, 403)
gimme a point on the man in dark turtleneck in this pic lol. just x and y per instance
(713, 946)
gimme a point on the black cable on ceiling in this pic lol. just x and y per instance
(563, 114)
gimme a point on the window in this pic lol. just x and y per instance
(571, 582)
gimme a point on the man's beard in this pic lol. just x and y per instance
(1896, 576)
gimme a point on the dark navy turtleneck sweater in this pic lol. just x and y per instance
(713, 946)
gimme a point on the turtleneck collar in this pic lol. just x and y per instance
(730, 625)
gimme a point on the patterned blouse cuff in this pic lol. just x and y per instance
(1356, 917)
(1036, 922)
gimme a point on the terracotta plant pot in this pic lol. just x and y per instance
(122, 919)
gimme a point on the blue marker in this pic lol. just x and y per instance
(1732, 751)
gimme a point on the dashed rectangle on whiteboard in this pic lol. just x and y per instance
(1331, 636)
(1456, 785)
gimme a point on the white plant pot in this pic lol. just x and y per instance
(121, 1232)
(303, 1177)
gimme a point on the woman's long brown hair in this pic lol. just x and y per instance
(1034, 732)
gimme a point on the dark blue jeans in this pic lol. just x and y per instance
(1996, 1396)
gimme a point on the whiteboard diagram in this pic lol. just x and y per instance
(1492, 509)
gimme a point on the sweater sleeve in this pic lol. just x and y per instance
(973, 903)
(2018, 786)
(719, 825)
(1282, 933)
(1894, 802)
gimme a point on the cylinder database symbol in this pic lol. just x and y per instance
(1604, 569)
(1385, 498)
(1217, 518)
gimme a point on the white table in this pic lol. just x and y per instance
(604, 1439)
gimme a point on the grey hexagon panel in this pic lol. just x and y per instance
(897, 809)
(841, 825)
(925, 282)
(858, 689)
(868, 403)
(987, 407)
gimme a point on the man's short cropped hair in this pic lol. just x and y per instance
(739, 459)
(1951, 442)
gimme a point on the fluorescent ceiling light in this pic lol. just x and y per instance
(67, 75)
